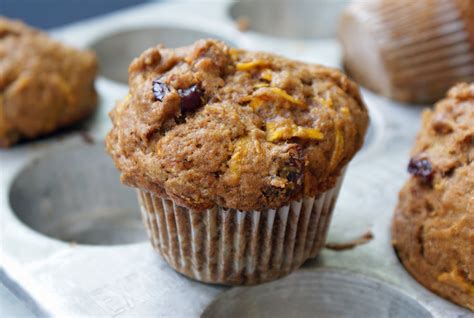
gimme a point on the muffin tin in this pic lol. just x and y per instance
(72, 240)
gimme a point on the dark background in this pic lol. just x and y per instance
(46, 14)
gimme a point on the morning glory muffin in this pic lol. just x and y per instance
(433, 227)
(237, 156)
(44, 85)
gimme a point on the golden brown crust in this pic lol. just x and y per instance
(433, 228)
(269, 130)
(44, 85)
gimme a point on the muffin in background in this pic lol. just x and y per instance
(237, 156)
(44, 85)
(410, 51)
(433, 226)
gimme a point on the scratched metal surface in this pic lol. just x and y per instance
(72, 242)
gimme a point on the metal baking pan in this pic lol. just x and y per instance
(72, 243)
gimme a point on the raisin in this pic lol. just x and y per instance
(293, 176)
(160, 90)
(271, 192)
(421, 168)
(191, 98)
(290, 169)
(295, 182)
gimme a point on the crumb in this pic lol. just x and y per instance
(242, 23)
(87, 137)
(363, 239)
(72, 243)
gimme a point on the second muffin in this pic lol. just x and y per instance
(44, 85)
(238, 156)
(433, 225)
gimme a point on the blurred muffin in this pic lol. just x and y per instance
(411, 51)
(433, 227)
(44, 85)
(238, 156)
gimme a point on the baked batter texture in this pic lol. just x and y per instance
(208, 125)
(44, 85)
(433, 227)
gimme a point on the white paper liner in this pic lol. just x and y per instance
(227, 246)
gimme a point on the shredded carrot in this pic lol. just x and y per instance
(287, 129)
(246, 66)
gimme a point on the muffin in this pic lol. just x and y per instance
(44, 85)
(416, 49)
(237, 156)
(433, 227)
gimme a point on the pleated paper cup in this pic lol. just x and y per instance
(232, 247)
(411, 51)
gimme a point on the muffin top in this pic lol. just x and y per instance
(44, 85)
(446, 138)
(209, 125)
(433, 228)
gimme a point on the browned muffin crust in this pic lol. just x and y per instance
(208, 125)
(44, 85)
(433, 228)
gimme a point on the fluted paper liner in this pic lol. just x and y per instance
(227, 246)
(424, 47)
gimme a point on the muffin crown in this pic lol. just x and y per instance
(210, 125)
(446, 139)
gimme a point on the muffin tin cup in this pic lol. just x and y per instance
(233, 247)
(424, 48)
